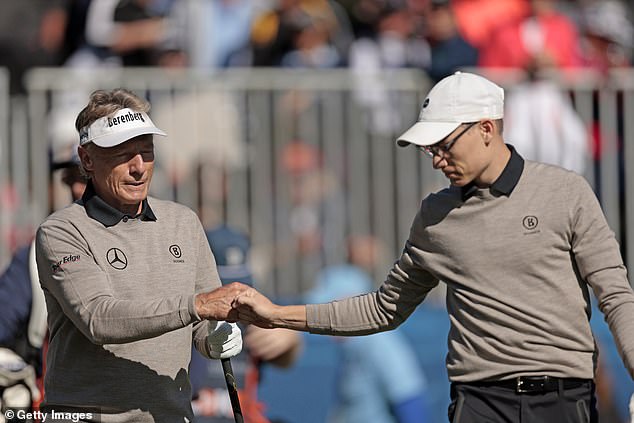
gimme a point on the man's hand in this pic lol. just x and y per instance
(224, 339)
(253, 307)
(216, 305)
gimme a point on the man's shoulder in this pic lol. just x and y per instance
(163, 208)
(546, 183)
(540, 167)
(448, 195)
(69, 213)
(550, 173)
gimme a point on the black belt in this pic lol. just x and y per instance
(535, 384)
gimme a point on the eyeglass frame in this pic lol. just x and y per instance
(435, 149)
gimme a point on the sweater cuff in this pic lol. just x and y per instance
(317, 318)
(188, 313)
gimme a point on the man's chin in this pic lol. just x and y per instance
(457, 182)
(133, 198)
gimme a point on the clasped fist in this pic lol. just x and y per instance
(237, 302)
(217, 304)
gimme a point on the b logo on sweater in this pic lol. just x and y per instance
(176, 251)
(530, 222)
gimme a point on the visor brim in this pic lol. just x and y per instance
(114, 139)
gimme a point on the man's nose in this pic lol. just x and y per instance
(137, 164)
(438, 161)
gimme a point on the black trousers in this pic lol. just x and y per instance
(491, 403)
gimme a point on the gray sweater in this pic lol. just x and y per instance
(120, 297)
(517, 259)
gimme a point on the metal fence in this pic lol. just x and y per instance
(300, 160)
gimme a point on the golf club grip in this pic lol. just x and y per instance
(233, 389)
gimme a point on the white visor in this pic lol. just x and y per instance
(110, 131)
(426, 133)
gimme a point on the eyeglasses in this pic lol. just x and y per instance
(435, 149)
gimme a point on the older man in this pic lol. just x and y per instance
(129, 281)
(518, 244)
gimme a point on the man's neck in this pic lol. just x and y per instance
(492, 172)
(127, 209)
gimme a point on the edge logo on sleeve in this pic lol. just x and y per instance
(58, 266)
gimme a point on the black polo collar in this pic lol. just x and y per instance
(107, 215)
(506, 182)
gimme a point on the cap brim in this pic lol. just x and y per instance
(116, 138)
(426, 133)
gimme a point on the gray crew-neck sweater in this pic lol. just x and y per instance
(517, 269)
(120, 298)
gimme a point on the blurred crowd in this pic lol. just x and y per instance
(438, 36)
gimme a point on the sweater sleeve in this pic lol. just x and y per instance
(69, 273)
(599, 262)
(207, 279)
(406, 286)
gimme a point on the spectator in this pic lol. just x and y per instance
(540, 120)
(125, 32)
(23, 314)
(278, 347)
(300, 30)
(395, 41)
(449, 50)
(311, 40)
(368, 389)
(75, 31)
(607, 35)
(314, 217)
(543, 38)
(543, 125)
(211, 34)
(479, 19)
(31, 34)
(138, 27)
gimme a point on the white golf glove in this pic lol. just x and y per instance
(224, 339)
(13, 371)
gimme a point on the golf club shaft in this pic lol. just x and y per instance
(233, 389)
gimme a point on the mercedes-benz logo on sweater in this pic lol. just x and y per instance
(117, 259)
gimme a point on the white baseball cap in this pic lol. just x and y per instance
(117, 128)
(459, 98)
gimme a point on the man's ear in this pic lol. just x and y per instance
(487, 129)
(85, 158)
